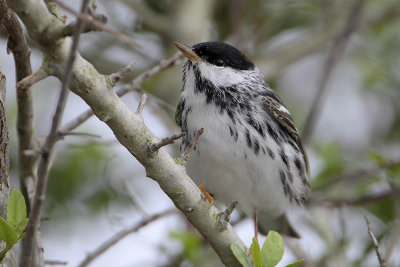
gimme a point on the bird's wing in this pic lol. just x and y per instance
(275, 107)
(178, 112)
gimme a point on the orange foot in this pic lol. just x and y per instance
(209, 197)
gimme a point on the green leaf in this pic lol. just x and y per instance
(7, 233)
(240, 255)
(295, 264)
(272, 250)
(16, 210)
(256, 253)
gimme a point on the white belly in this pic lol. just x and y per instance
(230, 169)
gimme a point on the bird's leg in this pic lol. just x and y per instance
(255, 225)
(209, 197)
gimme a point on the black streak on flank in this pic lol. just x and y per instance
(283, 177)
(256, 147)
(272, 132)
(248, 138)
(284, 158)
(298, 166)
(290, 175)
(271, 153)
(286, 187)
(256, 126)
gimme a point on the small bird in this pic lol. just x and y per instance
(250, 150)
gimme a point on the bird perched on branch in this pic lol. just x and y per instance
(250, 150)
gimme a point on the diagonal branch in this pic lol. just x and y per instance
(43, 169)
(381, 259)
(336, 51)
(136, 84)
(96, 24)
(121, 234)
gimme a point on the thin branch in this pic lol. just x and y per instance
(364, 200)
(88, 27)
(163, 65)
(381, 259)
(55, 262)
(158, 101)
(99, 25)
(186, 154)
(62, 134)
(31, 79)
(225, 216)
(359, 174)
(336, 51)
(141, 104)
(120, 235)
(165, 141)
(137, 82)
(117, 76)
(43, 169)
(136, 200)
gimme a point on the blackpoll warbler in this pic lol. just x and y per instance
(250, 150)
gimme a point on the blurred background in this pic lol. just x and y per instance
(338, 59)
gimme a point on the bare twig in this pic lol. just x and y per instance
(99, 25)
(136, 200)
(392, 193)
(62, 134)
(186, 154)
(31, 79)
(137, 82)
(121, 234)
(43, 169)
(141, 104)
(333, 56)
(101, 18)
(115, 77)
(381, 260)
(225, 216)
(165, 141)
(55, 262)
(163, 65)
(359, 174)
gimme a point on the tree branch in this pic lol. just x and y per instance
(186, 154)
(165, 141)
(137, 82)
(43, 169)
(381, 259)
(8, 260)
(128, 128)
(99, 25)
(333, 56)
(120, 235)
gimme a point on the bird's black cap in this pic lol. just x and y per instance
(222, 54)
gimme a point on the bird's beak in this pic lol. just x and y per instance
(188, 52)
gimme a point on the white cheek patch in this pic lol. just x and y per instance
(221, 76)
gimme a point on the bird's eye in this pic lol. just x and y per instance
(219, 63)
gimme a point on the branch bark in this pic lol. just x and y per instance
(9, 259)
(128, 127)
(47, 149)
